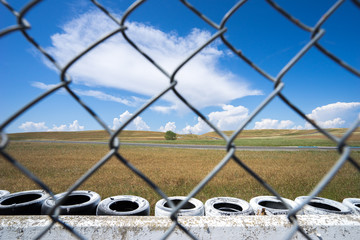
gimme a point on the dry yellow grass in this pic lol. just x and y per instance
(177, 171)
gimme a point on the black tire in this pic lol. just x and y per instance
(353, 203)
(271, 205)
(227, 206)
(23, 203)
(77, 203)
(3, 193)
(193, 207)
(323, 206)
(125, 205)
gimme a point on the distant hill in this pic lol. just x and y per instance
(265, 137)
(274, 133)
(95, 136)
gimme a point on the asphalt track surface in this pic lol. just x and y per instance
(209, 147)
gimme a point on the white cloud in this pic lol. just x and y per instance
(329, 116)
(334, 123)
(137, 124)
(229, 119)
(140, 124)
(115, 64)
(199, 128)
(60, 128)
(135, 101)
(335, 115)
(42, 85)
(164, 109)
(41, 127)
(103, 96)
(268, 123)
(170, 126)
(75, 126)
(33, 127)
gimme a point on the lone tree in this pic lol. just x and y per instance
(169, 135)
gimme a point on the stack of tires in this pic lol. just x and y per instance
(218, 206)
(37, 202)
(82, 202)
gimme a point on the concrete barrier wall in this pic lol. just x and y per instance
(244, 227)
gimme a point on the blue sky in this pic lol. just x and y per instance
(114, 80)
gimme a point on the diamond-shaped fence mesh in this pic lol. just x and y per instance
(315, 34)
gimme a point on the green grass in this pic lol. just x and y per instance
(177, 171)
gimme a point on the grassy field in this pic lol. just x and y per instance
(176, 171)
(246, 138)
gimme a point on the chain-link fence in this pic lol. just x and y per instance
(315, 34)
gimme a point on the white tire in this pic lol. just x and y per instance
(270, 205)
(193, 207)
(353, 203)
(124, 205)
(323, 206)
(3, 193)
(227, 206)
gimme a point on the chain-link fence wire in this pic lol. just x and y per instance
(315, 32)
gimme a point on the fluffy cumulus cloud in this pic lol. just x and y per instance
(170, 126)
(33, 127)
(115, 64)
(229, 118)
(268, 123)
(137, 124)
(334, 123)
(335, 115)
(199, 128)
(41, 127)
(75, 126)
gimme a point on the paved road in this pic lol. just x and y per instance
(188, 146)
